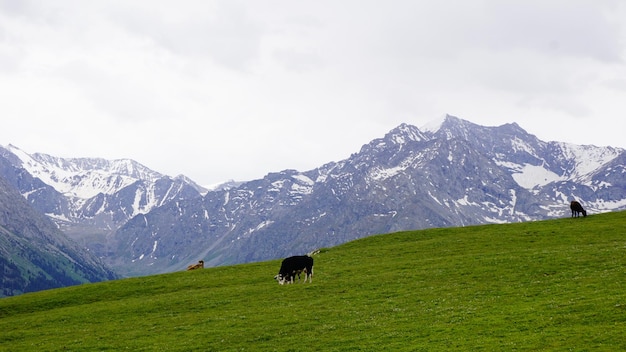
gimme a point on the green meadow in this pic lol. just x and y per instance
(556, 285)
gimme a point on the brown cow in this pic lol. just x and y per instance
(577, 208)
(199, 265)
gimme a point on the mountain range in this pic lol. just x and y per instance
(453, 173)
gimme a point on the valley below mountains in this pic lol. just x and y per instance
(140, 222)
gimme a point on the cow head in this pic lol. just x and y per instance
(282, 279)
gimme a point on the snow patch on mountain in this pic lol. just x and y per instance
(604, 206)
(260, 226)
(304, 179)
(519, 144)
(588, 158)
(434, 125)
(404, 133)
(301, 189)
(380, 174)
(531, 176)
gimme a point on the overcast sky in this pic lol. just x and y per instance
(220, 90)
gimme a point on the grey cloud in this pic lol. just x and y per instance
(229, 36)
(9, 61)
(576, 28)
(569, 105)
(35, 11)
(9, 55)
(616, 84)
(124, 97)
(16, 7)
(445, 28)
(298, 61)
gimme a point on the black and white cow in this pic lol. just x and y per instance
(577, 208)
(295, 265)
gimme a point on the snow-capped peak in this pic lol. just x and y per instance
(587, 158)
(83, 177)
(433, 126)
(404, 133)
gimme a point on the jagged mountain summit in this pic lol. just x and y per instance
(455, 174)
(87, 177)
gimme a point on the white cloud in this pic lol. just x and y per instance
(235, 89)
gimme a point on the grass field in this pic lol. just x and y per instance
(555, 285)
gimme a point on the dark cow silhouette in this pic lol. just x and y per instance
(295, 265)
(577, 209)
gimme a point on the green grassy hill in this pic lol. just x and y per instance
(549, 285)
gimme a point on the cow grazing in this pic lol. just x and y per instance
(577, 209)
(199, 265)
(295, 265)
